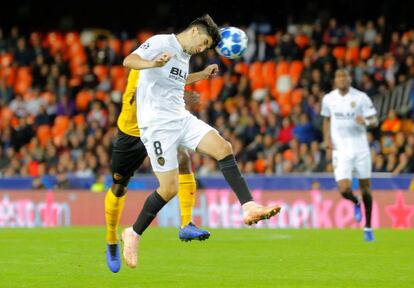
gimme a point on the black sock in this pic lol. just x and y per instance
(367, 198)
(350, 196)
(231, 173)
(152, 206)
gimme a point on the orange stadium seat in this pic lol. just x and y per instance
(269, 73)
(6, 60)
(77, 65)
(282, 68)
(101, 95)
(143, 36)
(216, 84)
(339, 52)
(101, 71)
(202, 86)
(226, 61)
(43, 133)
(47, 96)
(271, 40)
(352, 54)
(285, 110)
(76, 50)
(283, 98)
(256, 70)
(257, 83)
(302, 40)
(54, 41)
(295, 71)
(72, 38)
(82, 100)
(241, 68)
(296, 96)
(115, 44)
(6, 114)
(260, 166)
(9, 74)
(23, 80)
(79, 119)
(60, 126)
(365, 52)
(119, 84)
(129, 46)
(117, 72)
(389, 61)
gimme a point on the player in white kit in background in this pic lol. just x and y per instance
(166, 125)
(347, 114)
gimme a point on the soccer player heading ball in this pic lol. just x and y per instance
(348, 112)
(165, 124)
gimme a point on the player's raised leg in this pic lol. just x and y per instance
(217, 147)
(187, 188)
(153, 204)
(365, 186)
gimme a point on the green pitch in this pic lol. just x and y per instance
(74, 257)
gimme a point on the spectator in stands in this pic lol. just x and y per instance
(392, 123)
(269, 106)
(264, 51)
(285, 132)
(304, 130)
(62, 181)
(23, 55)
(252, 124)
(65, 106)
(37, 183)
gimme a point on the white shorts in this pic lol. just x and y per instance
(346, 165)
(163, 141)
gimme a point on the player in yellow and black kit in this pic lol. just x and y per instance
(127, 156)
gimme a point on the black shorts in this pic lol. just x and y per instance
(128, 153)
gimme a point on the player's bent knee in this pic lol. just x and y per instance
(224, 150)
(118, 190)
(168, 189)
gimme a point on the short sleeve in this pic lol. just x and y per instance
(325, 108)
(368, 108)
(151, 48)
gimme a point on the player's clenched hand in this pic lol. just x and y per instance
(191, 99)
(360, 120)
(162, 59)
(210, 70)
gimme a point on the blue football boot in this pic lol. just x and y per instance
(192, 232)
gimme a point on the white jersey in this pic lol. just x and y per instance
(160, 91)
(346, 133)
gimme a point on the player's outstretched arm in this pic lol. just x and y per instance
(210, 70)
(134, 61)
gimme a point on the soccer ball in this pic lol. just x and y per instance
(233, 42)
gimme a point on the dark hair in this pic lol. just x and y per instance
(210, 27)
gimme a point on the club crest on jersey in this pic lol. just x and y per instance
(161, 161)
(353, 104)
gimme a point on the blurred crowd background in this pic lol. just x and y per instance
(60, 94)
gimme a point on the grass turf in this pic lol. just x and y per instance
(74, 257)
